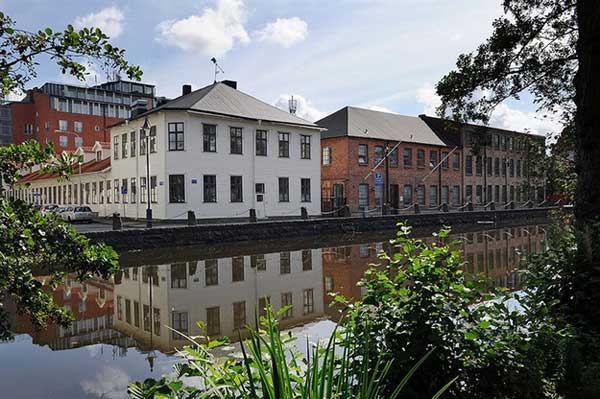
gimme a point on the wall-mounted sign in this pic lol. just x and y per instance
(194, 181)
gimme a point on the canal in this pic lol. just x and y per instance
(121, 330)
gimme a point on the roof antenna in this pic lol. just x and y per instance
(293, 105)
(218, 68)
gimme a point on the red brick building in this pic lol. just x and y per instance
(72, 116)
(421, 168)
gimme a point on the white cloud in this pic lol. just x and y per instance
(503, 117)
(213, 32)
(109, 383)
(284, 31)
(427, 96)
(304, 109)
(110, 20)
(379, 108)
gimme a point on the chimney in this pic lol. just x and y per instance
(186, 89)
(230, 83)
(138, 107)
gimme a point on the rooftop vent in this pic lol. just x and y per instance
(230, 83)
(186, 89)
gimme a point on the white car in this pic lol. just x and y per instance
(77, 214)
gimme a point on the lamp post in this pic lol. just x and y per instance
(145, 129)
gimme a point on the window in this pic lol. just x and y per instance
(209, 138)
(284, 189)
(496, 167)
(504, 197)
(308, 304)
(479, 194)
(478, 165)
(469, 193)
(176, 136)
(78, 141)
(284, 262)
(261, 142)
(176, 188)
(433, 195)
(136, 313)
(117, 191)
(326, 156)
(488, 194)
(143, 143)
(306, 259)
(497, 193)
(152, 139)
(456, 195)
(237, 268)
(305, 190)
(469, 165)
(63, 141)
(133, 196)
(235, 134)
(393, 158)
(210, 188)
(304, 146)
(445, 160)
(153, 189)
(518, 168)
(143, 188)
(29, 128)
(213, 321)
(239, 315)
(211, 272)
(363, 154)
(178, 275)
(133, 146)
(78, 126)
(511, 167)
(286, 301)
(63, 125)
(180, 323)
(504, 167)
(408, 158)
(363, 196)
(235, 186)
(408, 191)
(456, 161)
(489, 166)
(147, 325)
(258, 262)
(433, 159)
(94, 192)
(284, 145)
(124, 149)
(445, 195)
(421, 194)
(420, 158)
(378, 154)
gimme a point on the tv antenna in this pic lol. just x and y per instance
(218, 68)
(293, 105)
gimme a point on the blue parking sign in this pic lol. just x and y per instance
(123, 190)
(378, 179)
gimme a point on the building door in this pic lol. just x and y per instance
(394, 199)
(259, 189)
(338, 196)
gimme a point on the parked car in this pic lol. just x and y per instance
(77, 214)
(46, 209)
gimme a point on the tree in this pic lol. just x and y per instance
(68, 49)
(29, 241)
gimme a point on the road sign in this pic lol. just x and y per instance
(123, 190)
(378, 179)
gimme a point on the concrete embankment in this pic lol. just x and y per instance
(161, 237)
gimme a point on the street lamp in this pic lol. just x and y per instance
(145, 130)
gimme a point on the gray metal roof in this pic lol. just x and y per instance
(221, 99)
(360, 122)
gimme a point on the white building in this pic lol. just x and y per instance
(216, 151)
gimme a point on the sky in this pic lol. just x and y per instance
(379, 54)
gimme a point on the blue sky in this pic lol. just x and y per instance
(381, 54)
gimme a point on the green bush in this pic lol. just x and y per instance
(421, 299)
(272, 368)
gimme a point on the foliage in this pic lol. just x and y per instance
(531, 48)
(422, 299)
(272, 368)
(31, 243)
(69, 49)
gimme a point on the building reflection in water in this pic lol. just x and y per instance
(224, 293)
